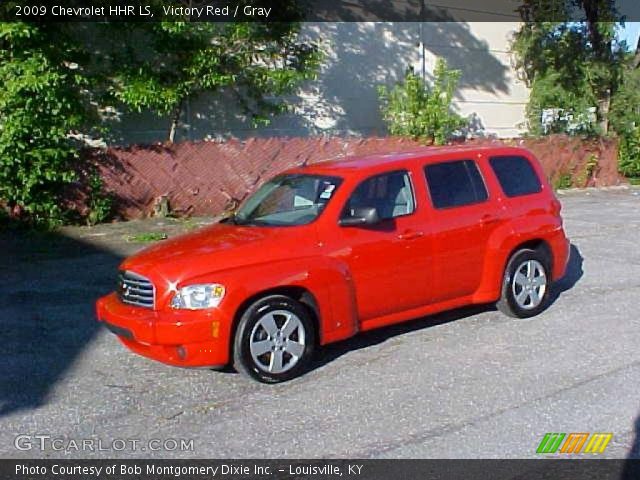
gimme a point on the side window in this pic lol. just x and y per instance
(390, 193)
(516, 175)
(454, 184)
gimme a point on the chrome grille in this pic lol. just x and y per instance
(134, 289)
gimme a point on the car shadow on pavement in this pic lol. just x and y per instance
(631, 468)
(572, 276)
(47, 318)
(333, 351)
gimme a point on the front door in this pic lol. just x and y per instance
(388, 261)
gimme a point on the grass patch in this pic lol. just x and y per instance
(634, 180)
(189, 225)
(563, 182)
(146, 237)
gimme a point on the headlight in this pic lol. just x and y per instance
(194, 297)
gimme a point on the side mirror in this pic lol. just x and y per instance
(361, 216)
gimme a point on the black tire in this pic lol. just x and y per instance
(251, 330)
(508, 303)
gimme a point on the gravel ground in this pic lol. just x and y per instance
(465, 384)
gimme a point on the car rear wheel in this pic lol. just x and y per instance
(274, 340)
(526, 283)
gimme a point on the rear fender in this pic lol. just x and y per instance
(502, 242)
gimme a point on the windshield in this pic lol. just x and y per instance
(288, 200)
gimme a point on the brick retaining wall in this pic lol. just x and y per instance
(202, 178)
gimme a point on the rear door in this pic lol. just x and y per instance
(464, 216)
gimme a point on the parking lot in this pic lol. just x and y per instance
(469, 383)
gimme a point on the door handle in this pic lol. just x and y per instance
(410, 235)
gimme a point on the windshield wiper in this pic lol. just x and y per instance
(233, 219)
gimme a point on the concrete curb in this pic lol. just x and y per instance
(612, 188)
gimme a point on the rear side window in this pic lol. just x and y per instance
(516, 175)
(454, 184)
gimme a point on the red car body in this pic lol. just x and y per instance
(354, 279)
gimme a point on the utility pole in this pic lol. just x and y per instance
(423, 58)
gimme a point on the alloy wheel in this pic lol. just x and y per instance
(529, 284)
(277, 341)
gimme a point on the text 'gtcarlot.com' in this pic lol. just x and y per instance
(59, 444)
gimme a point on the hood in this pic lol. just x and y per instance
(215, 248)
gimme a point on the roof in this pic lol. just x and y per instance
(373, 162)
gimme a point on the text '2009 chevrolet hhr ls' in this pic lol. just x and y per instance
(324, 251)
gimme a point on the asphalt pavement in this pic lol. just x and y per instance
(466, 384)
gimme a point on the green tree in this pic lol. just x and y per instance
(571, 67)
(61, 80)
(421, 111)
(577, 67)
(41, 103)
(255, 64)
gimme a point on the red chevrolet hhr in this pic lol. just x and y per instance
(324, 251)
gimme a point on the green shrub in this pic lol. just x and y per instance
(629, 154)
(100, 203)
(625, 120)
(39, 106)
(35, 155)
(421, 111)
(564, 181)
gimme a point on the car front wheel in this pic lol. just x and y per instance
(526, 283)
(274, 340)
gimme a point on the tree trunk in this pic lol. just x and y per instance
(603, 112)
(601, 45)
(636, 60)
(593, 17)
(175, 120)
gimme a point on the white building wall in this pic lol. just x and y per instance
(359, 57)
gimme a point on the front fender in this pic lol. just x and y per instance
(328, 280)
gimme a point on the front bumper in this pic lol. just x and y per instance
(184, 338)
